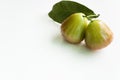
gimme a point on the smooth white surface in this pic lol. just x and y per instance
(31, 46)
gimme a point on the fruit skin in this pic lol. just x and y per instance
(73, 28)
(98, 35)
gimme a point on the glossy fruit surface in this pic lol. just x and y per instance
(73, 28)
(98, 35)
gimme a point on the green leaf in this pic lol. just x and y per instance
(64, 9)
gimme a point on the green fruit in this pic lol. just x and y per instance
(98, 35)
(73, 28)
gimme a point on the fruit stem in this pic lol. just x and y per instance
(90, 17)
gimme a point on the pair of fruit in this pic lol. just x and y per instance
(77, 27)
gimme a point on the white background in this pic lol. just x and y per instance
(32, 48)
